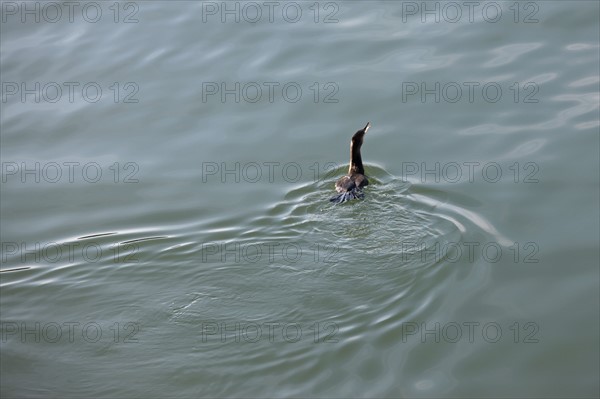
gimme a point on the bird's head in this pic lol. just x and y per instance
(357, 138)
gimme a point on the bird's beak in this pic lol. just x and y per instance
(367, 127)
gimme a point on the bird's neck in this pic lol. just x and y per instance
(356, 165)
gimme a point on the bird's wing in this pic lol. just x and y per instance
(345, 183)
(361, 181)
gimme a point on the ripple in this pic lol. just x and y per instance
(587, 81)
(527, 148)
(509, 53)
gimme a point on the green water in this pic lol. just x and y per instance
(165, 223)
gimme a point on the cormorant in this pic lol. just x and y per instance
(350, 186)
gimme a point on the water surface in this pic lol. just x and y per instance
(166, 229)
